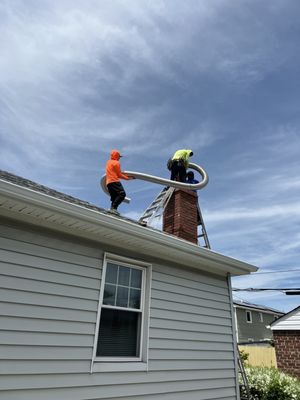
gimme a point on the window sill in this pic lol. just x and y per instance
(119, 366)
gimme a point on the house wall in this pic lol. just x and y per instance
(287, 347)
(288, 322)
(256, 330)
(49, 292)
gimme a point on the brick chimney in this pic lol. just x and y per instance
(180, 215)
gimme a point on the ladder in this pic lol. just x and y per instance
(203, 235)
(244, 386)
(157, 206)
(155, 210)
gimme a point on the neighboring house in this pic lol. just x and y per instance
(286, 331)
(253, 321)
(95, 306)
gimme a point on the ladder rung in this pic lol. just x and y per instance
(152, 207)
(159, 202)
(160, 195)
(147, 215)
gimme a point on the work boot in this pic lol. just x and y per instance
(141, 222)
(114, 211)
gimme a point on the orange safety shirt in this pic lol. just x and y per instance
(113, 168)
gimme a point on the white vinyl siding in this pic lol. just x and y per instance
(289, 322)
(190, 321)
(49, 292)
(256, 330)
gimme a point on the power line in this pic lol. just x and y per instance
(293, 292)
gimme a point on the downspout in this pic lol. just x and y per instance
(234, 327)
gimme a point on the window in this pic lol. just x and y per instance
(122, 323)
(261, 317)
(249, 317)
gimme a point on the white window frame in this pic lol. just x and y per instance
(248, 312)
(261, 317)
(125, 363)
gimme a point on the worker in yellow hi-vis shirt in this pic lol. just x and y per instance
(178, 164)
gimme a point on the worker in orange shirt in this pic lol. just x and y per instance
(113, 176)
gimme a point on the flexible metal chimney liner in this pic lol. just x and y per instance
(163, 181)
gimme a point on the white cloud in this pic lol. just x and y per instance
(146, 35)
(60, 62)
(279, 211)
(246, 173)
(78, 78)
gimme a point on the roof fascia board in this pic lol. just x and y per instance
(166, 244)
(283, 318)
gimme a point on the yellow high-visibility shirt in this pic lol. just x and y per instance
(182, 155)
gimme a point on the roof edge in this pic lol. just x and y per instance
(216, 263)
(283, 318)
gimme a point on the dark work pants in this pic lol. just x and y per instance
(178, 170)
(117, 193)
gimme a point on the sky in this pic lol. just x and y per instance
(81, 77)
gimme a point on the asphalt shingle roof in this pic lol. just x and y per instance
(259, 307)
(26, 183)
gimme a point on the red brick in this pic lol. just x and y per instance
(287, 346)
(180, 215)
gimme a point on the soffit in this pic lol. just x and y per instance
(43, 210)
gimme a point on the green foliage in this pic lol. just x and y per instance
(244, 356)
(270, 384)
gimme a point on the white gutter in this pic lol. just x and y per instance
(234, 336)
(162, 245)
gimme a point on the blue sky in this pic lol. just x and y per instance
(80, 77)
